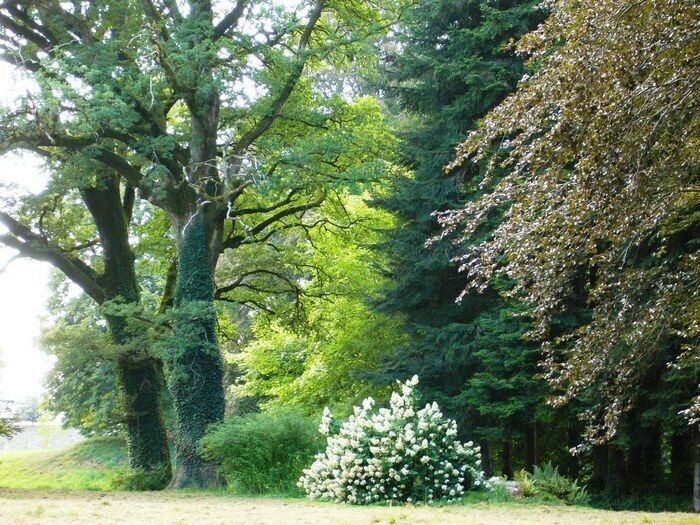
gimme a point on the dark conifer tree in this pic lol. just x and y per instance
(449, 68)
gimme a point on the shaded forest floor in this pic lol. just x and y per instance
(33, 506)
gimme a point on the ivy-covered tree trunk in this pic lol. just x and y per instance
(138, 374)
(197, 217)
(140, 386)
(195, 367)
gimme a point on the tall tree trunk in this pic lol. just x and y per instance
(486, 459)
(573, 437)
(197, 212)
(599, 481)
(682, 461)
(530, 447)
(140, 384)
(195, 369)
(696, 477)
(617, 479)
(506, 459)
(644, 465)
(138, 374)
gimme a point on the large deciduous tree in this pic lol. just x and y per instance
(85, 234)
(174, 98)
(602, 197)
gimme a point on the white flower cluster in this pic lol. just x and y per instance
(393, 454)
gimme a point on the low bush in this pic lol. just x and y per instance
(126, 478)
(546, 482)
(393, 454)
(263, 452)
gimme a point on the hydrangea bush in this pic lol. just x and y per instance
(395, 454)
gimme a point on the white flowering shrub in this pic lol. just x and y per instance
(393, 454)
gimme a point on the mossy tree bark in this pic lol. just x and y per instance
(138, 374)
(195, 367)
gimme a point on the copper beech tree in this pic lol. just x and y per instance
(601, 200)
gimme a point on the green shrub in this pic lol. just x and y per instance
(126, 478)
(545, 481)
(528, 487)
(263, 452)
(395, 454)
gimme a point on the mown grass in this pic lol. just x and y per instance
(92, 465)
(42, 507)
(89, 465)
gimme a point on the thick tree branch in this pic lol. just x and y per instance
(34, 246)
(129, 201)
(274, 111)
(230, 20)
(23, 32)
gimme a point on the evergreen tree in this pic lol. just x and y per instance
(449, 68)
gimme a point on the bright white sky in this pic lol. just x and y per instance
(23, 286)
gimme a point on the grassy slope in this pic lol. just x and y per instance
(85, 466)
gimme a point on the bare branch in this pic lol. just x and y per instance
(273, 112)
(230, 20)
(237, 240)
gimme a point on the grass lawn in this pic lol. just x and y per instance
(85, 466)
(32, 506)
(72, 486)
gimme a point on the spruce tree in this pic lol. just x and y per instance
(449, 69)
